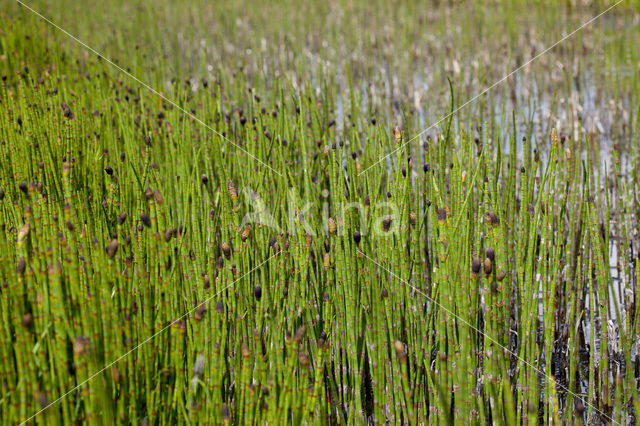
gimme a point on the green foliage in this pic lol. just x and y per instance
(152, 269)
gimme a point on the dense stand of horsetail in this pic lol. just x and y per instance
(340, 212)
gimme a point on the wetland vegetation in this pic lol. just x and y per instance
(314, 212)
